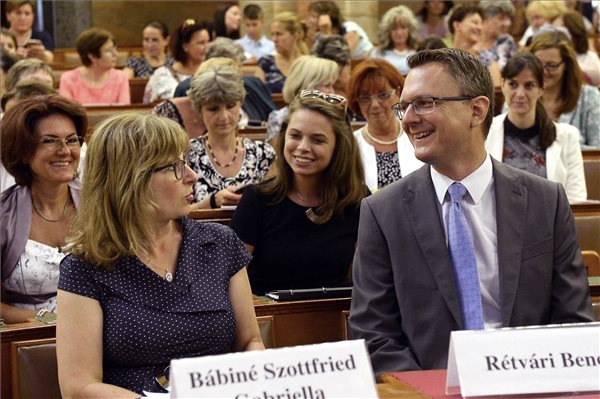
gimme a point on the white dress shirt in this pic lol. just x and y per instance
(479, 207)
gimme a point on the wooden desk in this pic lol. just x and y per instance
(18, 332)
(432, 384)
(304, 322)
(212, 215)
(586, 208)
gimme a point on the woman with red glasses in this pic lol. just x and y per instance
(385, 150)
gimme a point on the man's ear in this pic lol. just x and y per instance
(480, 107)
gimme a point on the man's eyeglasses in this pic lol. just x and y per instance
(381, 97)
(423, 105)
(334, 99)
(54, 143)
(179, 168)
(552, 66)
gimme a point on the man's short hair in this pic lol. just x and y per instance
(472, 77)
(253, 12)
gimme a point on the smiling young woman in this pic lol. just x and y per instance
(311, 203)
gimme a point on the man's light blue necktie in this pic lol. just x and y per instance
(462, 254)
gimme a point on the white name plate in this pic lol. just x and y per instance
(525, 360)
(332, 370)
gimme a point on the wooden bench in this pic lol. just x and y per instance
(591, 167)
(97, 113)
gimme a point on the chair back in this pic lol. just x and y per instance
(588, 232)
(591, 170)
(345, 326)
(34, 369)
(265, 325)
(591, 261)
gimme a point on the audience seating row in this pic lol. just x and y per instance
(34, 371)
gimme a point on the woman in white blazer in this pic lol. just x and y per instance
(527, 138)
(386, 152)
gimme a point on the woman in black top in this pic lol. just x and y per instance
(301, 226)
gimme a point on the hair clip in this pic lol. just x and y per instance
(187, 23)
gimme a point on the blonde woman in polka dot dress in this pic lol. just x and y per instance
(143, 284)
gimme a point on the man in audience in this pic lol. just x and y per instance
(430, 260)
(254, 42)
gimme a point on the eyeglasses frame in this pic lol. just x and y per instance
(173, 165)
(375, 96)
(400, 114)
(341, 100)
(55, 144)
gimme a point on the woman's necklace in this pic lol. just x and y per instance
(62, 216)
(382, 142)
(212, 154)
(310, 213)
(168, 275)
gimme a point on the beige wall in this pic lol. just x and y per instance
(126, 18)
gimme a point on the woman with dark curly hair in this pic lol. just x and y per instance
(188, 48)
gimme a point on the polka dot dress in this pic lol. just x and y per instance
(149, 321)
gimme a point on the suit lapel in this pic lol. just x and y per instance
(511, 210)
(425, 219)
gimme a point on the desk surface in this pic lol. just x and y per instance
(432, 384)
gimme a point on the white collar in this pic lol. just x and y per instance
(476, 183)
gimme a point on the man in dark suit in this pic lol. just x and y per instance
(415, 259)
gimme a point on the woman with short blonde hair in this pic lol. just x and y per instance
(143, 284)
(288, 34)
(224, 161)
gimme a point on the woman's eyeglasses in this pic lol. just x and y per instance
(334, 99)
(381, 97)
(179, 168)
(54, 143)
(552, 66)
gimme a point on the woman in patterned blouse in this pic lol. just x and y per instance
(224, 162)
(155, 39)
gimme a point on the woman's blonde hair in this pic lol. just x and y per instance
(547, 9)
(116, 211)
(343, 182)
(292, 24)
(399, 15)
(307, 72)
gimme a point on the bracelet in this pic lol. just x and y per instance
(213, 200)
(42, 312)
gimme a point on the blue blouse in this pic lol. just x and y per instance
(274, 78)
(147, 320)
